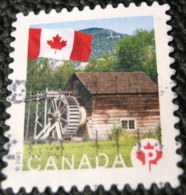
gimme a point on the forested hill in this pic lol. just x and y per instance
(104, 41)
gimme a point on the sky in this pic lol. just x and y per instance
(127, 25)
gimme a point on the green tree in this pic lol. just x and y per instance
(37, 73)
(137, 53)
(106, 63)
(41, 75)
(133, 53)
(62, 75)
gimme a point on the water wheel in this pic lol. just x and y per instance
(56, 114)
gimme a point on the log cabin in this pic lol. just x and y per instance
(126, 99)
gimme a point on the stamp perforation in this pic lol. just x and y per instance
(53, 12)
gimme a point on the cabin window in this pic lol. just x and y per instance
(131, 124)
(128, 124)
(124, 124)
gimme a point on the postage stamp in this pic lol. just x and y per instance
(92, 100)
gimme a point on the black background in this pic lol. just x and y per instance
(8, 11)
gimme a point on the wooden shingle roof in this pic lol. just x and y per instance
(117, 82)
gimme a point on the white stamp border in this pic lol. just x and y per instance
(94, 178)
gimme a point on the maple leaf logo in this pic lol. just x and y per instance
(149, 155)
(149, 146)
(57, 43)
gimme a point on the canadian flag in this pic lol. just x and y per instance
(63, 44)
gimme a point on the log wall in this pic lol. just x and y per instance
(109, 110)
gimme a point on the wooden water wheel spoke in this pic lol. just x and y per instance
(39, 124)
(50, 113)
(64, 120)
(61, 128)
(51, 109)
(53, 105)
(61, 109)
(59, 105)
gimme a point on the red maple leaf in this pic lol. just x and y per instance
(141, 155)
(57, 43)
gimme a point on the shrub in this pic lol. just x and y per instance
(158, 132)
(116, 133)
(153, 133)
(149, 134)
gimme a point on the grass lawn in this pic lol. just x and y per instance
(78, 149)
